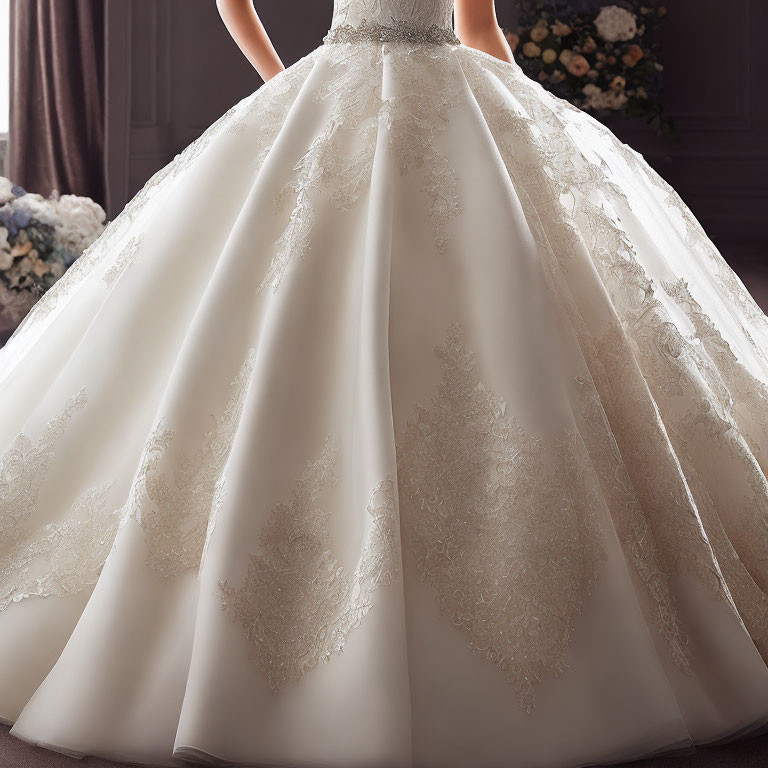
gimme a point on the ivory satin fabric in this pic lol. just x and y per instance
(407, 420)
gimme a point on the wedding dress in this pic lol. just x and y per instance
(406, 419)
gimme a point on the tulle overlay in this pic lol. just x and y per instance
(407, 418)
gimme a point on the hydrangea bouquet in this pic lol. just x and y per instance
(601, 57)
(39, 240)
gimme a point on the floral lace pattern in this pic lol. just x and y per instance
(502, 524)
(297, 603)
(23, 471)
(698, 399)
(419, 13)
(61, 559)
(127, 256)
(351, 92)
(338, 164)
(173, 504)
(414, 119)
(56, 559)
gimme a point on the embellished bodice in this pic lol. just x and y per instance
(416, 21)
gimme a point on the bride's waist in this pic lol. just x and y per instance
(393, 32)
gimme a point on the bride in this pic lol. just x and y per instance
(406, 419)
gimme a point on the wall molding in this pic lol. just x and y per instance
(118, 39)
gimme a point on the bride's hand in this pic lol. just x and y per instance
(477, 27)
(244, 25)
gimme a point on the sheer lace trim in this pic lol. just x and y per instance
(397, 31)
(127, 256)
(297, 603)
(502, 524)
(172, 497)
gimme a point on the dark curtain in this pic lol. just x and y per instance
(57, 96)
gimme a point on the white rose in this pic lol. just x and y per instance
(81, 221)
(601, 100)
(5, 190)
(39, 208)
(4, 244)
(6, 260)
(614, 24)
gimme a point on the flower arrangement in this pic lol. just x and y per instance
(601, 57)
(40, 238)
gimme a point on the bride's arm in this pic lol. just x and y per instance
(246, 28)
(477, 27)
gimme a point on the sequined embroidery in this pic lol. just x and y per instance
(398, 31)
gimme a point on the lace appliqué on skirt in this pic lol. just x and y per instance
(501, 523)
(297, 603)
(57, 559)
(172, 497)
(338, 164)
(641, 357)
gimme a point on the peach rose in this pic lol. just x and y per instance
(531, 50)
(633, 55)
(21, 250)
(513, 40)
(539, 33)
(561, 28)
(565, 56)
(589, 45)
(578, 66)
(549, 56)
(618, 83)
(39, 267)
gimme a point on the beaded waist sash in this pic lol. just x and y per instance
(396, 32)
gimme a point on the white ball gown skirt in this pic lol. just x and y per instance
(406, 419)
